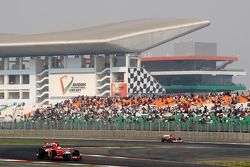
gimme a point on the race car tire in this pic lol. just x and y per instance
(52, 155)
(40, 154)
(67, 157)
(162, 140)
(76, 153)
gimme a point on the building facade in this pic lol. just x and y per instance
(98, 61)
(194, 68)
(45, 80)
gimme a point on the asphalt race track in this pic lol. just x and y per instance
(151, 154)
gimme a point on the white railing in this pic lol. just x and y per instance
(40, 81)
(102, 79)
(41, 95)
(42, 87)
(103, 71)
(103, 82)
(103, 86)
(43, 72)
(45, 101)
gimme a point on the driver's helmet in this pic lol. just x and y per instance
(54, 145)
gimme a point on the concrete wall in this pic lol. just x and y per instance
(132, 135)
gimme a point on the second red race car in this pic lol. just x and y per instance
(52, 151)
(171, 139)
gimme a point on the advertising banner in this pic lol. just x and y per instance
(119, 89)
(69, 85)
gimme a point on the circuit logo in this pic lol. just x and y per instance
(66, 83)
(116, 88)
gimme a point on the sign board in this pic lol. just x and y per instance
(119, 89)
(70, 85)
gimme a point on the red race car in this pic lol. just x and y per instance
(52, 151)
(171, 139)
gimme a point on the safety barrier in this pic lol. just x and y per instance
(234, 126)
(129, 135)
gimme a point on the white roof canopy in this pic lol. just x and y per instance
(123, 37)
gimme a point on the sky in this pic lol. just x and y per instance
(230, 25)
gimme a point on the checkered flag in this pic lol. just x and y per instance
(140, 81)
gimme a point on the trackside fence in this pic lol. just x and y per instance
(128, 125)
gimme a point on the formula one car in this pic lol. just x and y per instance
(171, 139)
(53, 151)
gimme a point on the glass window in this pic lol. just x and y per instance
(1, 63)
(25, 62)
(1, 79)
(26, 79)
(119, 61)
(118, 77)
(57, 62)
(14, 95)
(133, 62)
(88, 61)
(14, 63)
(1, 95)
(26, 95)
(107, 61)
(14, 79)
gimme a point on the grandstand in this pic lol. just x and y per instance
(15, 112)
(213, 112)
(96, 61)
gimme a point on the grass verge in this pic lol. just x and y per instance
(229, 163)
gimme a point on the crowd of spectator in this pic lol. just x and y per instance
(207, 108)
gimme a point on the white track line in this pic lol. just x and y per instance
(56, 163)
(94, 147)
(91, 155)
(14, 160)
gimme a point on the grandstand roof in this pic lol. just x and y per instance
(4, 36)
(122, 37)
(175, 58)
